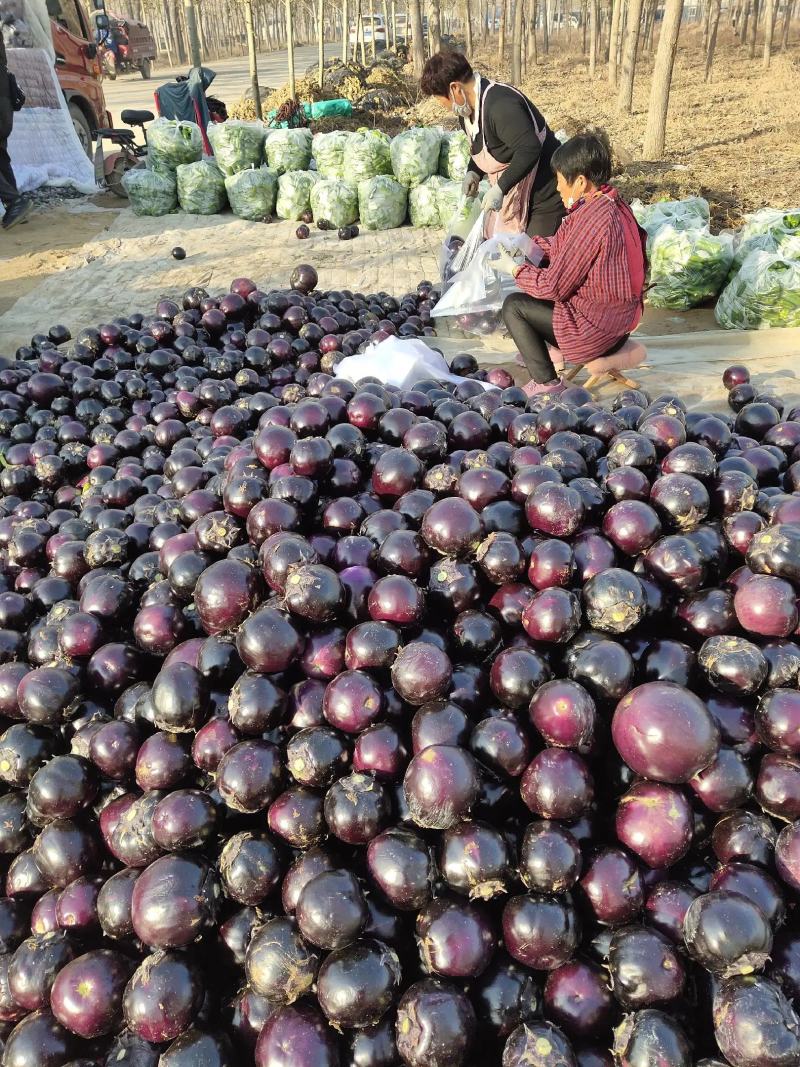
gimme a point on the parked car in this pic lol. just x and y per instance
(374, 28)
(78, 69)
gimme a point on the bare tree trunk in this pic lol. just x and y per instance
(516, 44)
(613, 38)
(712, 38)
(290, 48)
(595, 15)
(625, 95)
(361, 42)
(501, 37)
(251, 56)
(656, 129)
(787, 21)
(533, 48)
(754, 37)
(706, 24)
(546, 27)
(584, 25)
(434, 26)
(417, 36)
(769, 30)
(345, 31)
(650, 23)
(468, 26)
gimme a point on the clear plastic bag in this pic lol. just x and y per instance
(415, 155)
(252, 193)
(690, 214)
(366, 155)
(294, 193)
(687, 267)
(423, 202)
(149, 192)
(454, 155)
(764, 294)
(328, 150)
(335, 201)
(237, 145)
(171, 143)
(766, 230)
(201, 188)
(476, 294)
(382, 203)
(288, 150)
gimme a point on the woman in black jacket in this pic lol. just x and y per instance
(511, 144)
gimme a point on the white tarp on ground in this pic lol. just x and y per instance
(44, 147)
(399, 361)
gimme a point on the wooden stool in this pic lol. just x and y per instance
(632, 354)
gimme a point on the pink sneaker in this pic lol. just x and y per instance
(544, 388)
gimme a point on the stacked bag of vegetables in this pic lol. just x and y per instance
(415, 155)
(382, 203)
(237, 146)
(252, 193)
(171, 144)
(767, 230)
(423, 202)
(688, 264)
(294, 193)
(328, 151)
(334, 201)
(288, 150)
(366, 154)
(201, 188)
(765, 292)
(454, 155)
(687, 267)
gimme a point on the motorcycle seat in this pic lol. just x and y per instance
(136, 118)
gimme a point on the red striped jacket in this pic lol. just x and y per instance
(594, 277)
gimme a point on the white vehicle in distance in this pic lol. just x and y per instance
(374, 29)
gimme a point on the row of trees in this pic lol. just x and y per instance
(614, 33)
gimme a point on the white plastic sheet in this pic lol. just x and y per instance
(43, 146)
(399, 361)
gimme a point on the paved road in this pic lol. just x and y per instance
(231, 81)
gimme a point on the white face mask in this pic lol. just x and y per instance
(461, 111)
(570, 202)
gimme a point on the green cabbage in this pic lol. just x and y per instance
(335, 201)
(201, 188)
(415, 155)
(423, 202)
(454, 155)
(687, 267)
(252, 193)
(382, 203)
(149, 192)
(789, 246)
(288, 150)
(765, 293)
(171, 143)
(328, 151)
(366, 155)
(294, 193)
(237, 145)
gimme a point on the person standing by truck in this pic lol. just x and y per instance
(17, 206)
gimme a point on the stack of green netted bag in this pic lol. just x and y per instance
(764, 293)
(328, 150)
(687, 267)
(150, 192)
(201, 188)
(237, 145)
(366, 155)
(382, 203)
(294, 193)
(171, 143)
(423, 202)
(335, 202)
(252, 193)
(454, 155)
(415, 155)
(288, 150)
(767, 230)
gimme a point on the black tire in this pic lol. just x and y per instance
(82, 128)
(146, 67)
